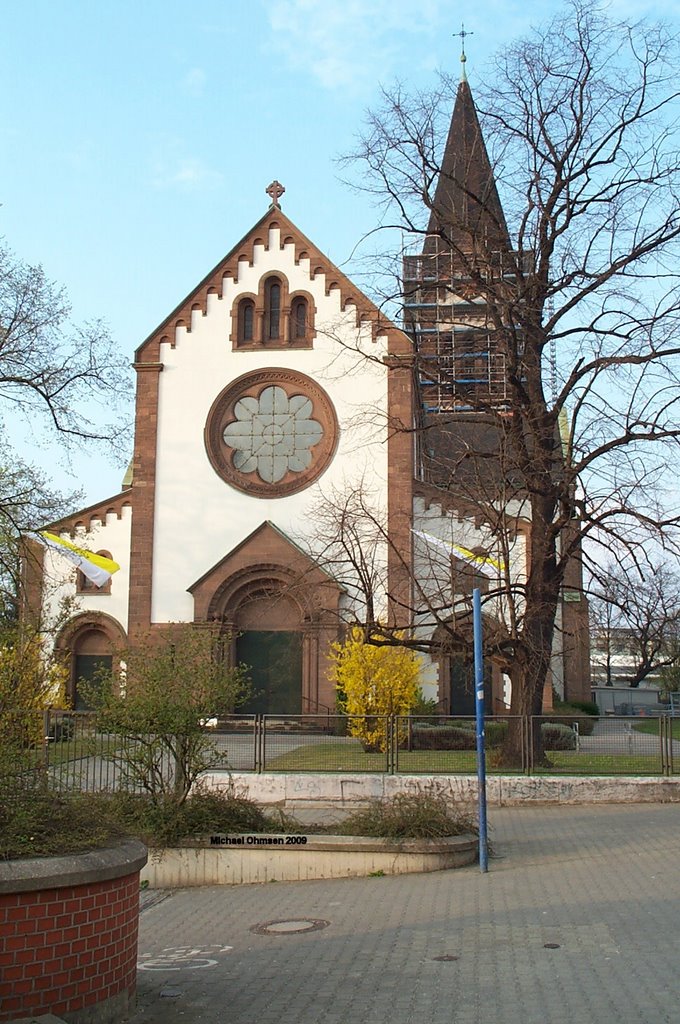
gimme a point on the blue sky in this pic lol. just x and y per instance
(138, 137)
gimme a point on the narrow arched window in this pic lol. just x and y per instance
(86, 586)
(298, 319)
(246, 320)
(272, 308)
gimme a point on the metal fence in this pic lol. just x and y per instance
(67, 750)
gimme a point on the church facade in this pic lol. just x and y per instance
(279, 487)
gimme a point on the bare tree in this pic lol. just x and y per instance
(65, 382)
(580, 119)
(635, 623)
(70, 377)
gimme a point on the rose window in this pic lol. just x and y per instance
(273, 434)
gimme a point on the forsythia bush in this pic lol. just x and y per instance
(371, 682)
(29, 682)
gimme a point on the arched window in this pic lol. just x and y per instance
(246, 320)
(86, 586)
(298, 319)
(272, 309)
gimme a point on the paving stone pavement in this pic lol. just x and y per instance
(599, 884)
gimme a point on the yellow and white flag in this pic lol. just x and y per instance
(484, 563)
(97, 568)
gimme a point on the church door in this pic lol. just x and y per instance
(274, 660)
(87, 671)
(462, 699)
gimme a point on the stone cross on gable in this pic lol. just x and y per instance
(275, 191)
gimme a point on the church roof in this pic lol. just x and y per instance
(466, 202)
(213, 282)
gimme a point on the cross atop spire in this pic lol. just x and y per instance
(463, 34)
(275, 191)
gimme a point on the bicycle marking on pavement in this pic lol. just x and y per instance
(177, 958)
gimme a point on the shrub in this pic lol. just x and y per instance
(557, 736)
(173, 681)
(36, 822)
(456, 735)
(442, 737)
(565, 714)
(588, 707)
(205, 812)
(424, 707)
(409, 815)
(372, 683)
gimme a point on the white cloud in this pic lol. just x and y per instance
(349, 45)
(194, 81)
(186, 173)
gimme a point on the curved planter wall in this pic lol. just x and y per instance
(68, 934)
(265, 858)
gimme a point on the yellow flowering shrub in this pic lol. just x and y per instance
(29, 683)
(373, 682)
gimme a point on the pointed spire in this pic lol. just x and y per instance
(466, 202)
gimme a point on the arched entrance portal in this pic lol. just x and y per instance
(282, 613)
(88, 642)
(269, 641)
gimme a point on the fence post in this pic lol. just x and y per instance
(527, 726)
(666, 742)
(259, 742)
(390, 744)
(46, 741)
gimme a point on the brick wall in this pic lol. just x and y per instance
(68, 949)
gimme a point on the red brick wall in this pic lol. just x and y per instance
(62, 950)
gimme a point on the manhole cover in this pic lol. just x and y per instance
(446, 957)
(294, 926)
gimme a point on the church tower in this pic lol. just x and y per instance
(461, 367)
(463, 295)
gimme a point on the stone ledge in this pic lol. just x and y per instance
(345, 792)
(34, 873)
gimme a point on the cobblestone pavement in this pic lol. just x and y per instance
(577, 921)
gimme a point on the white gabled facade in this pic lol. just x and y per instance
(276, 389)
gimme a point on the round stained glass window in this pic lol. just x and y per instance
(271, 433)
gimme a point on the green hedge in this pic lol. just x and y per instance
(461, 736)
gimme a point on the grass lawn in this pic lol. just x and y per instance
(333, 756)
(83, 746)
(652, 727)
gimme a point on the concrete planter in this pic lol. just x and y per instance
(68, 934)
(233, 860)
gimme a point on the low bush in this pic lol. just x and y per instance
(204, 813)
(456, 736)
(441, 737)
(409, 815)
(557, 736)
(588, 707)
(565, 714)
(35, 822)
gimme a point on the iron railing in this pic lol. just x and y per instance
(67, 750)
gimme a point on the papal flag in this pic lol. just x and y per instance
(486, 564)
(97, 568)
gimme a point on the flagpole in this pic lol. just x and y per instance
(479, 722)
